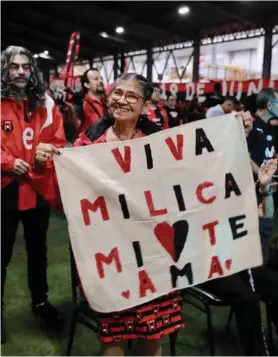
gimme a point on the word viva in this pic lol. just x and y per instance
(176, 148)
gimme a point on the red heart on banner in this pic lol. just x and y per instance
(126, 294)
(172, 238)
(228, 263)
(165, 234)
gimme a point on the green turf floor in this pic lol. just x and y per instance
(27, 338)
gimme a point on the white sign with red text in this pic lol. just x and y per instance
(160, 213)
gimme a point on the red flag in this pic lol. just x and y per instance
(72, 56)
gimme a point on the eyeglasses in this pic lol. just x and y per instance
(130, 97)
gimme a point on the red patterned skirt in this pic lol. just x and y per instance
(149, 321)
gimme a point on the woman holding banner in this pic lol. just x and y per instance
(128, 103)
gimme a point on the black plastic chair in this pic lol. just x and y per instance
(82, 313)
(172, 341)
(203, 301)
(269, 326)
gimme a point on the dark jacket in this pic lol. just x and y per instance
(96, 130)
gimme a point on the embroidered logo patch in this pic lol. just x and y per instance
(7, 126)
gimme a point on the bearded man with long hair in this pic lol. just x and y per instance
(32, 130)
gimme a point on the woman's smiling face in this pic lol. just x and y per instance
(126, 102)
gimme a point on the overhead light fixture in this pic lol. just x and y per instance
(120, 30)
(104, 34)
(36, 55)
(183, 10)
(46, 52)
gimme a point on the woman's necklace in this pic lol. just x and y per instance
(135, 132)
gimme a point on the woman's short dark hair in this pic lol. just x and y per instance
(142, 82)
(264, 96)
(35, 89)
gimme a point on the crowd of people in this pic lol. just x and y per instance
(34, 128)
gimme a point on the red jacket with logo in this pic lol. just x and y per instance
(159, 116)
(93, 110)
(20, 139)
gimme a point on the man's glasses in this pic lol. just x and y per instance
(130, 97)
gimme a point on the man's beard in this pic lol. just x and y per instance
(100, 90)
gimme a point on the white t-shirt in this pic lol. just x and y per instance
(216, 111)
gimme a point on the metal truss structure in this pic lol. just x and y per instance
(136, 61)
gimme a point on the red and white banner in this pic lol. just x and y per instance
(232, 88)
(160, 213)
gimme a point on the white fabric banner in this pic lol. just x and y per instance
(160, 213)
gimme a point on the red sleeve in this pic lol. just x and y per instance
(43, 177)
(82, 140)
(7, 161)
(56, 134)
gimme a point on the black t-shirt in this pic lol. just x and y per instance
(174, 117)
(261, 142)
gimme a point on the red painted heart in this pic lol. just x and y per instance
(172, 238)
(228, 263)
(126, 294)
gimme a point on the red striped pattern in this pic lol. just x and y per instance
(72, 56)
(150, 321)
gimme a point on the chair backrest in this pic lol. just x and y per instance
(74, 277)
(76, 286)
(273, 255)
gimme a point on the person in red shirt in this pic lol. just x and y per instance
(94, 93)
(157, 113)
(32, 129)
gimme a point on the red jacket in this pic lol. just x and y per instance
(93, 110)
(20, 139)
(159, 116)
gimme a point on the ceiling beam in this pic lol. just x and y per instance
(53, 24)
(83, 20)
(47, 39)
(32, 46)
(89, 30)
(235, 11)
(30, 32)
